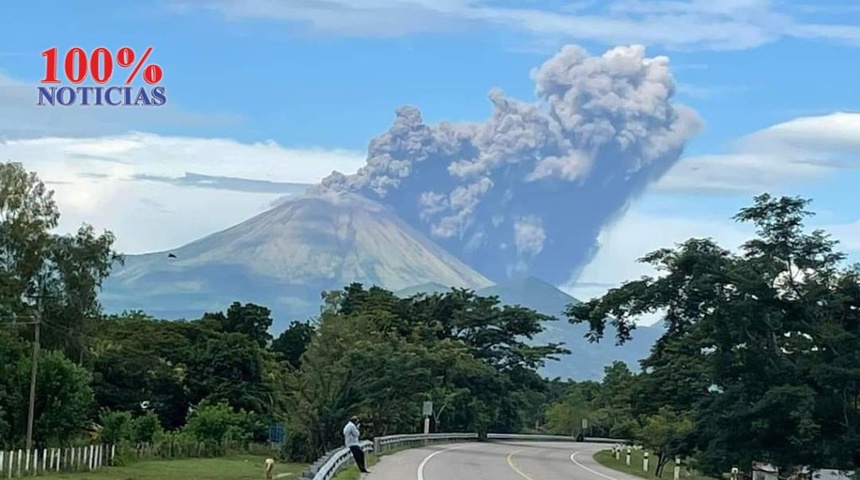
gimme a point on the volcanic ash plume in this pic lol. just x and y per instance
(527, 191)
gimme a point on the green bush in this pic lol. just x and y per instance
(146, 429)
(116, 427)
(212, 423)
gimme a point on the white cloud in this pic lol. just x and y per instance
(790, 152)
(132, 184)
(724, 24)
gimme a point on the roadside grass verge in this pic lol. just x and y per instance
(239, 467)
(607, 459)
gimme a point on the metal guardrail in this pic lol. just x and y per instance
(536, 437)
(333, 462)
(529, 437)
(380, 444)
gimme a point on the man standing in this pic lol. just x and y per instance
(350, 437)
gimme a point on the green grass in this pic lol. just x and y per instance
(351, 472)
(244, 467)
(607, 459)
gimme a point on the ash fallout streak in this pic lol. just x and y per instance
(527, 191)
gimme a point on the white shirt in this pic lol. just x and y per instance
(350, 435)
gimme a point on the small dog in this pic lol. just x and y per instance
(270, 466)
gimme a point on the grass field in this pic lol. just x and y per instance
(605, 458)
(247, 467)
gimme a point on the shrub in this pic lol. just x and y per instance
(116, 427)
(146, 429)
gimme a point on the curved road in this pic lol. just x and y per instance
(497, 461)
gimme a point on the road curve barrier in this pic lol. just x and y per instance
(334, 461)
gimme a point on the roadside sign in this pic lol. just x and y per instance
(428, 409)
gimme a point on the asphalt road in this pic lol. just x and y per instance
(497, 461)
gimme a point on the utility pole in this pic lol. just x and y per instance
(34, 368)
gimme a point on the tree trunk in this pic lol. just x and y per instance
(662, 460)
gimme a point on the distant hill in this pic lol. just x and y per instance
(533, 293)
(283, 258)
(428, 288)
(587, 360)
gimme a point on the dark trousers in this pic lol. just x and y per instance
(358, 455)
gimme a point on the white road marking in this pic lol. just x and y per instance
(575, 462)
(420, 472)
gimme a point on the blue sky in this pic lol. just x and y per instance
(319, 79)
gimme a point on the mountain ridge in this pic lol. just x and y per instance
(286, 256)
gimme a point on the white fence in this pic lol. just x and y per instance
(20, 463)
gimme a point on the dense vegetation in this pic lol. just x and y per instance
(761, 359)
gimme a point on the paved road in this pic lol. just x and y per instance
(497, 461)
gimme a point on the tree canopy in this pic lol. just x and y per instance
(761, 348)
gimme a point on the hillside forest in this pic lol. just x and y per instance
(760, 359)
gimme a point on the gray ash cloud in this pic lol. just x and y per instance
(527, 191)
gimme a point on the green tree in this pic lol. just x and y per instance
(229, 367)
(135, 358)
(667, 434)
(380, 356)
(73, 271)
(292, 343)
(12, 351)
(28, 213)
(565, 417)
(248, 319)
(64, 399)
(58, 274)
(772, 336)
